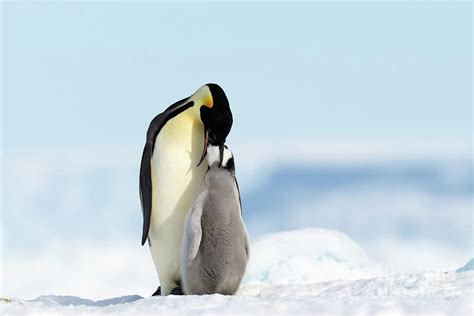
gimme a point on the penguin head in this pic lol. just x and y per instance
(221, 157)
(215, 115)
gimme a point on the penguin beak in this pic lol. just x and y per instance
(204, 150)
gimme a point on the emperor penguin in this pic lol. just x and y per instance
(215, 247)
(171, 173)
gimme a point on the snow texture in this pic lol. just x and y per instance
(67, 300)
(286, 276)
(307, 256)
(424, 293)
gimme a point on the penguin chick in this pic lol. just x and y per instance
(215, 247)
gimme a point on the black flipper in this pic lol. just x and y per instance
(146, 190)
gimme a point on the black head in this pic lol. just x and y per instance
(216, 117)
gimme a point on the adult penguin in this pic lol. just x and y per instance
(171, 173)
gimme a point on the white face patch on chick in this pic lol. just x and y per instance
(226, 156)
(213, 155)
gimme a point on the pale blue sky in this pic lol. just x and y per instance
(96, 73)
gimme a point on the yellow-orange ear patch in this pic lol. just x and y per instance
(203, 97)
(208, 101)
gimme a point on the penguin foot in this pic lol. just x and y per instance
(157, 292)
(177, 291)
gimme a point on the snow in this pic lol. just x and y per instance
(67, 300)
(95, 270)
(307, 256)
(423, 293)
(293, 272)
(467, 267)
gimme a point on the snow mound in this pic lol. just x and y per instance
(406, 294)
(467, 267)
(307, 256)
(66, 300)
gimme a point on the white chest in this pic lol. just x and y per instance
(175, 178)
(176, 183)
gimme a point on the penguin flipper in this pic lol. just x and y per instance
(146, 187)
(193, 231)
(146, 190)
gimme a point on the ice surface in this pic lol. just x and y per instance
(427, 293)
(66, 300)
(286, 276)
(467, 267)
(307, 256)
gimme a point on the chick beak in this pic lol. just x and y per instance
(221, 154)
(204, 150)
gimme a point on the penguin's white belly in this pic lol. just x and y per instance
(176, 183)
